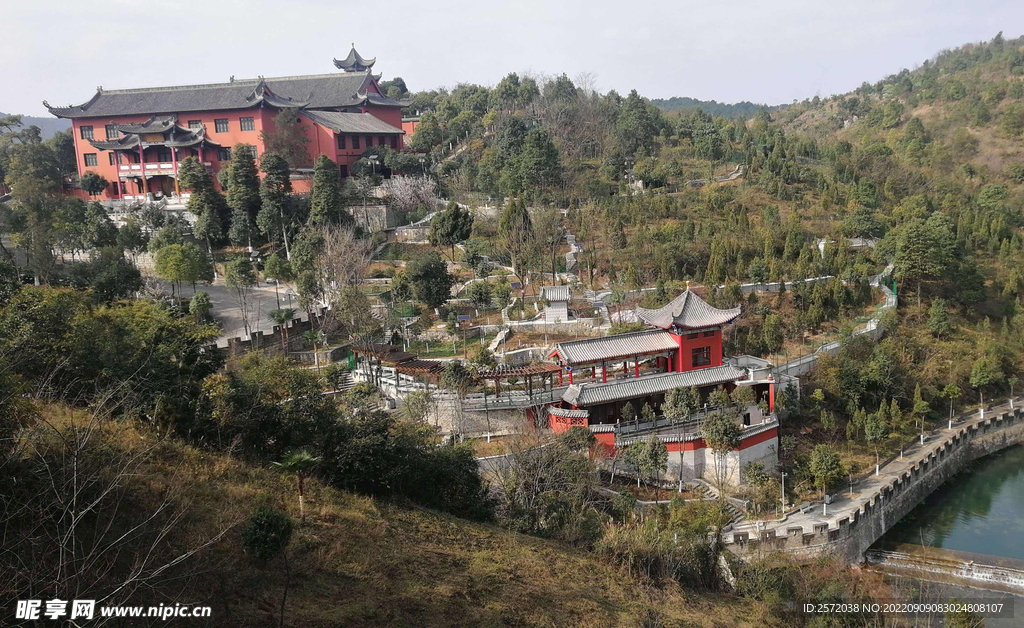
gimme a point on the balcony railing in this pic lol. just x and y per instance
(125, 171)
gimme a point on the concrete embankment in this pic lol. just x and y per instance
(942, 565)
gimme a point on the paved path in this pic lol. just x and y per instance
(225, 308)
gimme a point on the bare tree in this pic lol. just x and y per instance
(340, 263)
(77, 512)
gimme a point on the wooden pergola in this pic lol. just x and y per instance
(525, 371)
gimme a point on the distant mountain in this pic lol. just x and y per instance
(740, 110)
(47, 126)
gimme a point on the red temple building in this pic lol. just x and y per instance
(683, 349)
(135, 138)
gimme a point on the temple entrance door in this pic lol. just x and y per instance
(164, 185)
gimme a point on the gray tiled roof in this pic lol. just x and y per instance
(179, 136)
(351, 122)
(556, 293)
(618, 346)
(591, 394)
(687, 311)
(316, 91)
(156, 124)
(568, 413)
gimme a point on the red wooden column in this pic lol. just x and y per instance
(142, 171)
(570, 376)
(177, 189)
(636, 365)
(559, 376)
(593, 372)
(117, 173)
(604, 373)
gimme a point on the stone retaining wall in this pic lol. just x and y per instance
(852, 536)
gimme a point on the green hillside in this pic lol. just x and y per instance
(48, 127)
(734, 111)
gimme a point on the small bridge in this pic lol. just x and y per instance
(850, 525)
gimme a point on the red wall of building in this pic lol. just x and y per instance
(684, 360)
(323, 141)
(233, 136)
(409, 126)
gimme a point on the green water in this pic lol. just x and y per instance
(980, 510)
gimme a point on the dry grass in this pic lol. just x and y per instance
(359, 562)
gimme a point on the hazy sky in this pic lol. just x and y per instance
(761, 51)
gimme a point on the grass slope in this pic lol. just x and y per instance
(359, 562)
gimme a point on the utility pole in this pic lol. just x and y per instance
(784, 474)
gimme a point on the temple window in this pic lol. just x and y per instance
(195, 124)
(112, 157)
(223, 154)
(86, 132)
(355, 141)
(246, 124)
(90, 158)
(394, 142)
(221, 125)
(692, 336)
(111, 131)
(341, 142)
(163, 154)
(709, 334)
(702, 356)
(381, 140)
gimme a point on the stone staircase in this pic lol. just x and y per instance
(705, 491)
(346, 382)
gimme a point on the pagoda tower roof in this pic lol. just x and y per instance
(354, 62)
(686, 312)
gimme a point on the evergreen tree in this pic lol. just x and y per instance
(515, 234)
(275, 211)
(325, 198)
(243, 194)
(451, 226)
(205, 202)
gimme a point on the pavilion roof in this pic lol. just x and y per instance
(314, 91)
(505, 371)
(591, 394)
(354, 62)
(175, 136)
(556, 293)
(352, 122)
(593, 350)
(687, 311)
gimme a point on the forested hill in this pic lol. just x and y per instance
(733, 111)
(47, 126)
